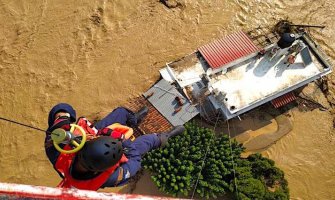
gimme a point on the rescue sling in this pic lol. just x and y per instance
(64, 163)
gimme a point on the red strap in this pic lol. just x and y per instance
(110, 132)
(61, 184)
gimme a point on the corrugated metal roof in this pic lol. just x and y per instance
(163, 97)
(283, 100)
(228, 49)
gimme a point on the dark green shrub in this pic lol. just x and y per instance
(177, 167)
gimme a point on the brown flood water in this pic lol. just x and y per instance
(96, 55)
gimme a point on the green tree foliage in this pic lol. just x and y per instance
(177, 167)
(250, 188)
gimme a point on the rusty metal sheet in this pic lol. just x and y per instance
(228, 49)
(283, 100)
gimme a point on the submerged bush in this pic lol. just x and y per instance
(177, 167)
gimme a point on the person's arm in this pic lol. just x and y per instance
(117, 131)
(126, 170)
(125, 130)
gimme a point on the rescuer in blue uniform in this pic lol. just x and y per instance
(85, 161)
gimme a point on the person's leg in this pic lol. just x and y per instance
(119, 115)
(147, 142)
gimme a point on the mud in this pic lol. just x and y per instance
(96, 55)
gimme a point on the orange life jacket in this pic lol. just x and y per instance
(63, 165)
(64, 162)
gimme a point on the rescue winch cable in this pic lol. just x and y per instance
(26, 125)
(232, 160)
(59, 136)
(204, 160)
(207, 151)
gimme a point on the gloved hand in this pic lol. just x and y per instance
(117, 131)
(110, 132)
(124, 130)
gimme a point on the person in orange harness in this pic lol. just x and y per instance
(108, 158)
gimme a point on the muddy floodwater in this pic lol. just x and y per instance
(96, 55)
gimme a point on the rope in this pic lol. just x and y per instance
(232, 160)
(25, 125)
(203, 161)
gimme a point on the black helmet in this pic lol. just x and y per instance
(100, 153)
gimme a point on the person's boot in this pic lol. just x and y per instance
(164, 137)
(141, 114)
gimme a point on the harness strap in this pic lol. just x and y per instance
(64, 122)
